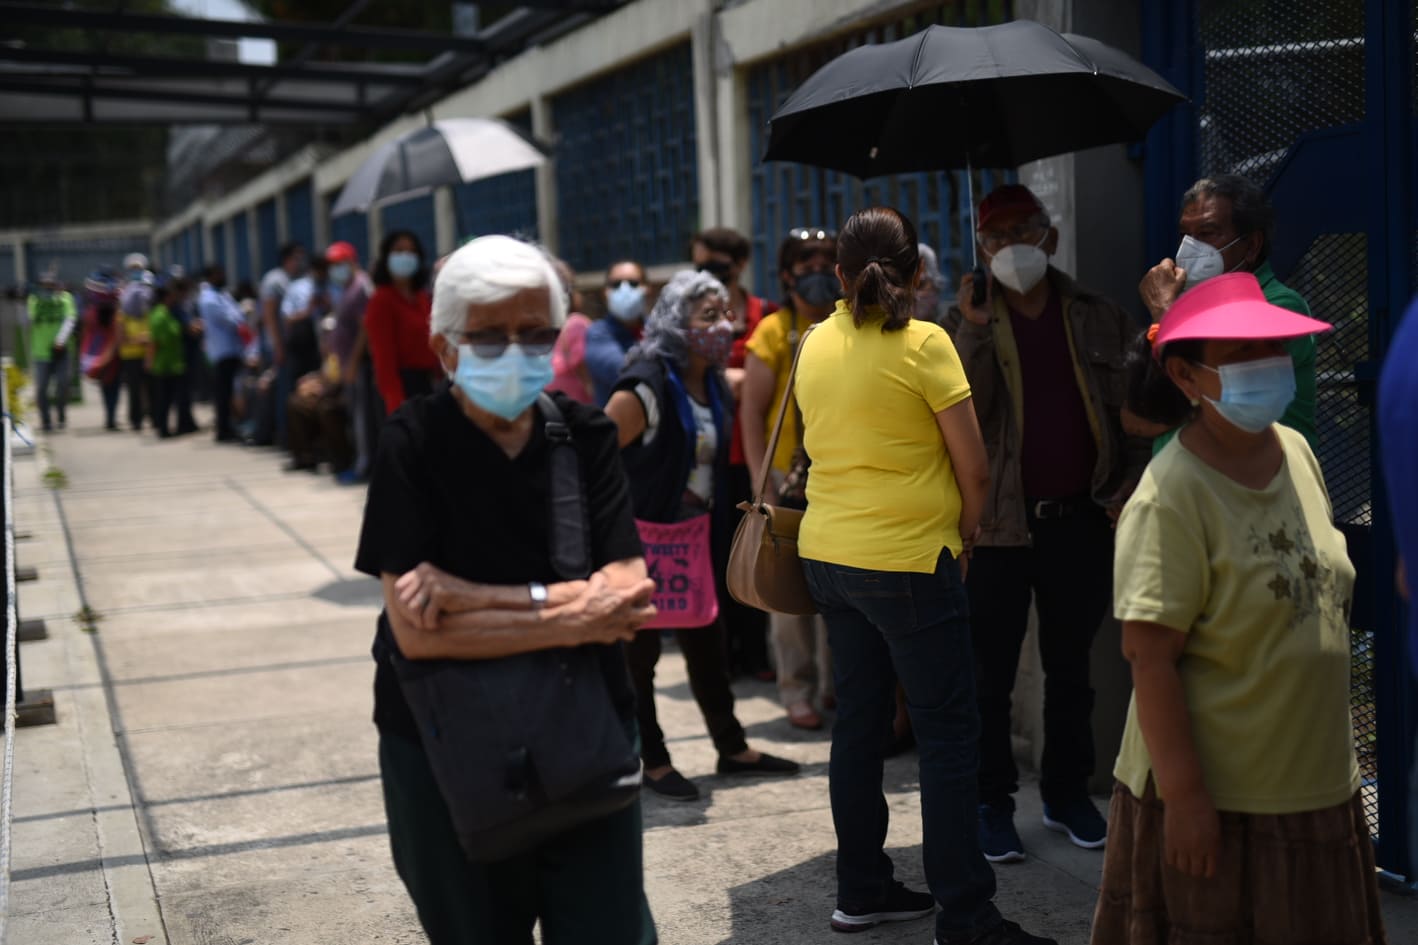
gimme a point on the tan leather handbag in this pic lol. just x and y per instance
(764, 569)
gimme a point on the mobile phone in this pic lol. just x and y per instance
(980, 287)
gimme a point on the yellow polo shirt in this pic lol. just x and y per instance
(1259, 581)
(881, 493)
(772, 343)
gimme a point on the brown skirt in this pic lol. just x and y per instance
(1287, 879)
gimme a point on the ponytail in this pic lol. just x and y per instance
(1151, 393)
(880, 259)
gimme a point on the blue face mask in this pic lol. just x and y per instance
(627, 302)
(1254, 394)
(403, 265)
(340, 273)
(506, 385)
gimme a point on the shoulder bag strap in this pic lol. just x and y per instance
(761, 486)
(570, 553)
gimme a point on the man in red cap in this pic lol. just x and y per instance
(1045, 359)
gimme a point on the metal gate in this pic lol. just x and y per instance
(1314, 100)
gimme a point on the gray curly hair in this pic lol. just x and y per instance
(666, 330)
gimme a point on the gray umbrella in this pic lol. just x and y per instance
(449, 151)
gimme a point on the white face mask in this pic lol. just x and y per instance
(1202, 261)
(1020, 267)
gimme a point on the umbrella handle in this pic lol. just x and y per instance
(970, 195)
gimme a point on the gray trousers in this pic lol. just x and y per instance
(55, 372)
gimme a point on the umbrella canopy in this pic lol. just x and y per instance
(450, 151)
(951, 97)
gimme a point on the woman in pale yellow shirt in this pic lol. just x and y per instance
(898, 480)
(1237, 815)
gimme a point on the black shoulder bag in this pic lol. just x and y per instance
(527, 746)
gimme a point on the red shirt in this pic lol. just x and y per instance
(1058, 450)
(397, 330)
(754, 310)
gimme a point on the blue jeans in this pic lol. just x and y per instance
(885, 627)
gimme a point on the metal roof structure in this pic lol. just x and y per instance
(96, 86)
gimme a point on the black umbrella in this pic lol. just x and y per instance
(949, 97)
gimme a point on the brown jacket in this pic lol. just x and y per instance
(1099, 334)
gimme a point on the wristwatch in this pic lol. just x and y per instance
(539, 594)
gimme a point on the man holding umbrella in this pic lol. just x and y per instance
(1045, 359)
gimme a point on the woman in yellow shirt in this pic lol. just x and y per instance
(898, 480)
(1237, 814)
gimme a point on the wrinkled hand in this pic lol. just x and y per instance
(424, 593)
(967, 552)
(1191, 833)
(607, 614)
(980, 316)
(1161, 286)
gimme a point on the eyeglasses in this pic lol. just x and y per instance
(806, 233)
(995, 240)
(491, 343)
(633, 283)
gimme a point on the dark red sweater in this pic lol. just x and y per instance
(397, 329)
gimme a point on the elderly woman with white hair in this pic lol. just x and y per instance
(675, 414)
(459, 525)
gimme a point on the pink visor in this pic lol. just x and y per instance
(1231, 307)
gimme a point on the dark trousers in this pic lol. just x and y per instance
(1069, 571)
(225, 371)
(52, 374)
(585, 885)
(138, 384)
(110, 389)
(886, 626)
(703, 650)
(164, 398)
(318, 428)
(182, 400)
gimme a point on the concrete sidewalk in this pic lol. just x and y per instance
(213, 779)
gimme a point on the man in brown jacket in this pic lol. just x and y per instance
(1045, 358)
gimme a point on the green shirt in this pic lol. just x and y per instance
(51, 322)
(1300, 415)
(166, 333)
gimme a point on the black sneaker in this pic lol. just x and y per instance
(1006, 933)
(899, 905)
(1080, 820)
(999, 841)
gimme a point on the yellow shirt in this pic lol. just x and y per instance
(881, 494)
(1260, 582)
(772, 343)
(133, 342)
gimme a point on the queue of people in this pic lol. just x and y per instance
(1029, 446)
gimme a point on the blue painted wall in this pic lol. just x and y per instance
(626, 170)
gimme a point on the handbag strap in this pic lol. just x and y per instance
(761, 486)
(570, 556)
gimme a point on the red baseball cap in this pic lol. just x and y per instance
(1231, 307)
(1009, 197)
(342, 252)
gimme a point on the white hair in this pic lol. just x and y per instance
(489, 270)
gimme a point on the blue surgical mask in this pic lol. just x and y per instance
(506, 385)
(627, 302)
(1254, 394)
(403, 265)
(340, 273)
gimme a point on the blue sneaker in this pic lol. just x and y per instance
(999, 841)
(1080, 820)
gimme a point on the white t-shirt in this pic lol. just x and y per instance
(706, 441)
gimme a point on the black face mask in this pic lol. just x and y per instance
(818, 289)
(718, 269)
